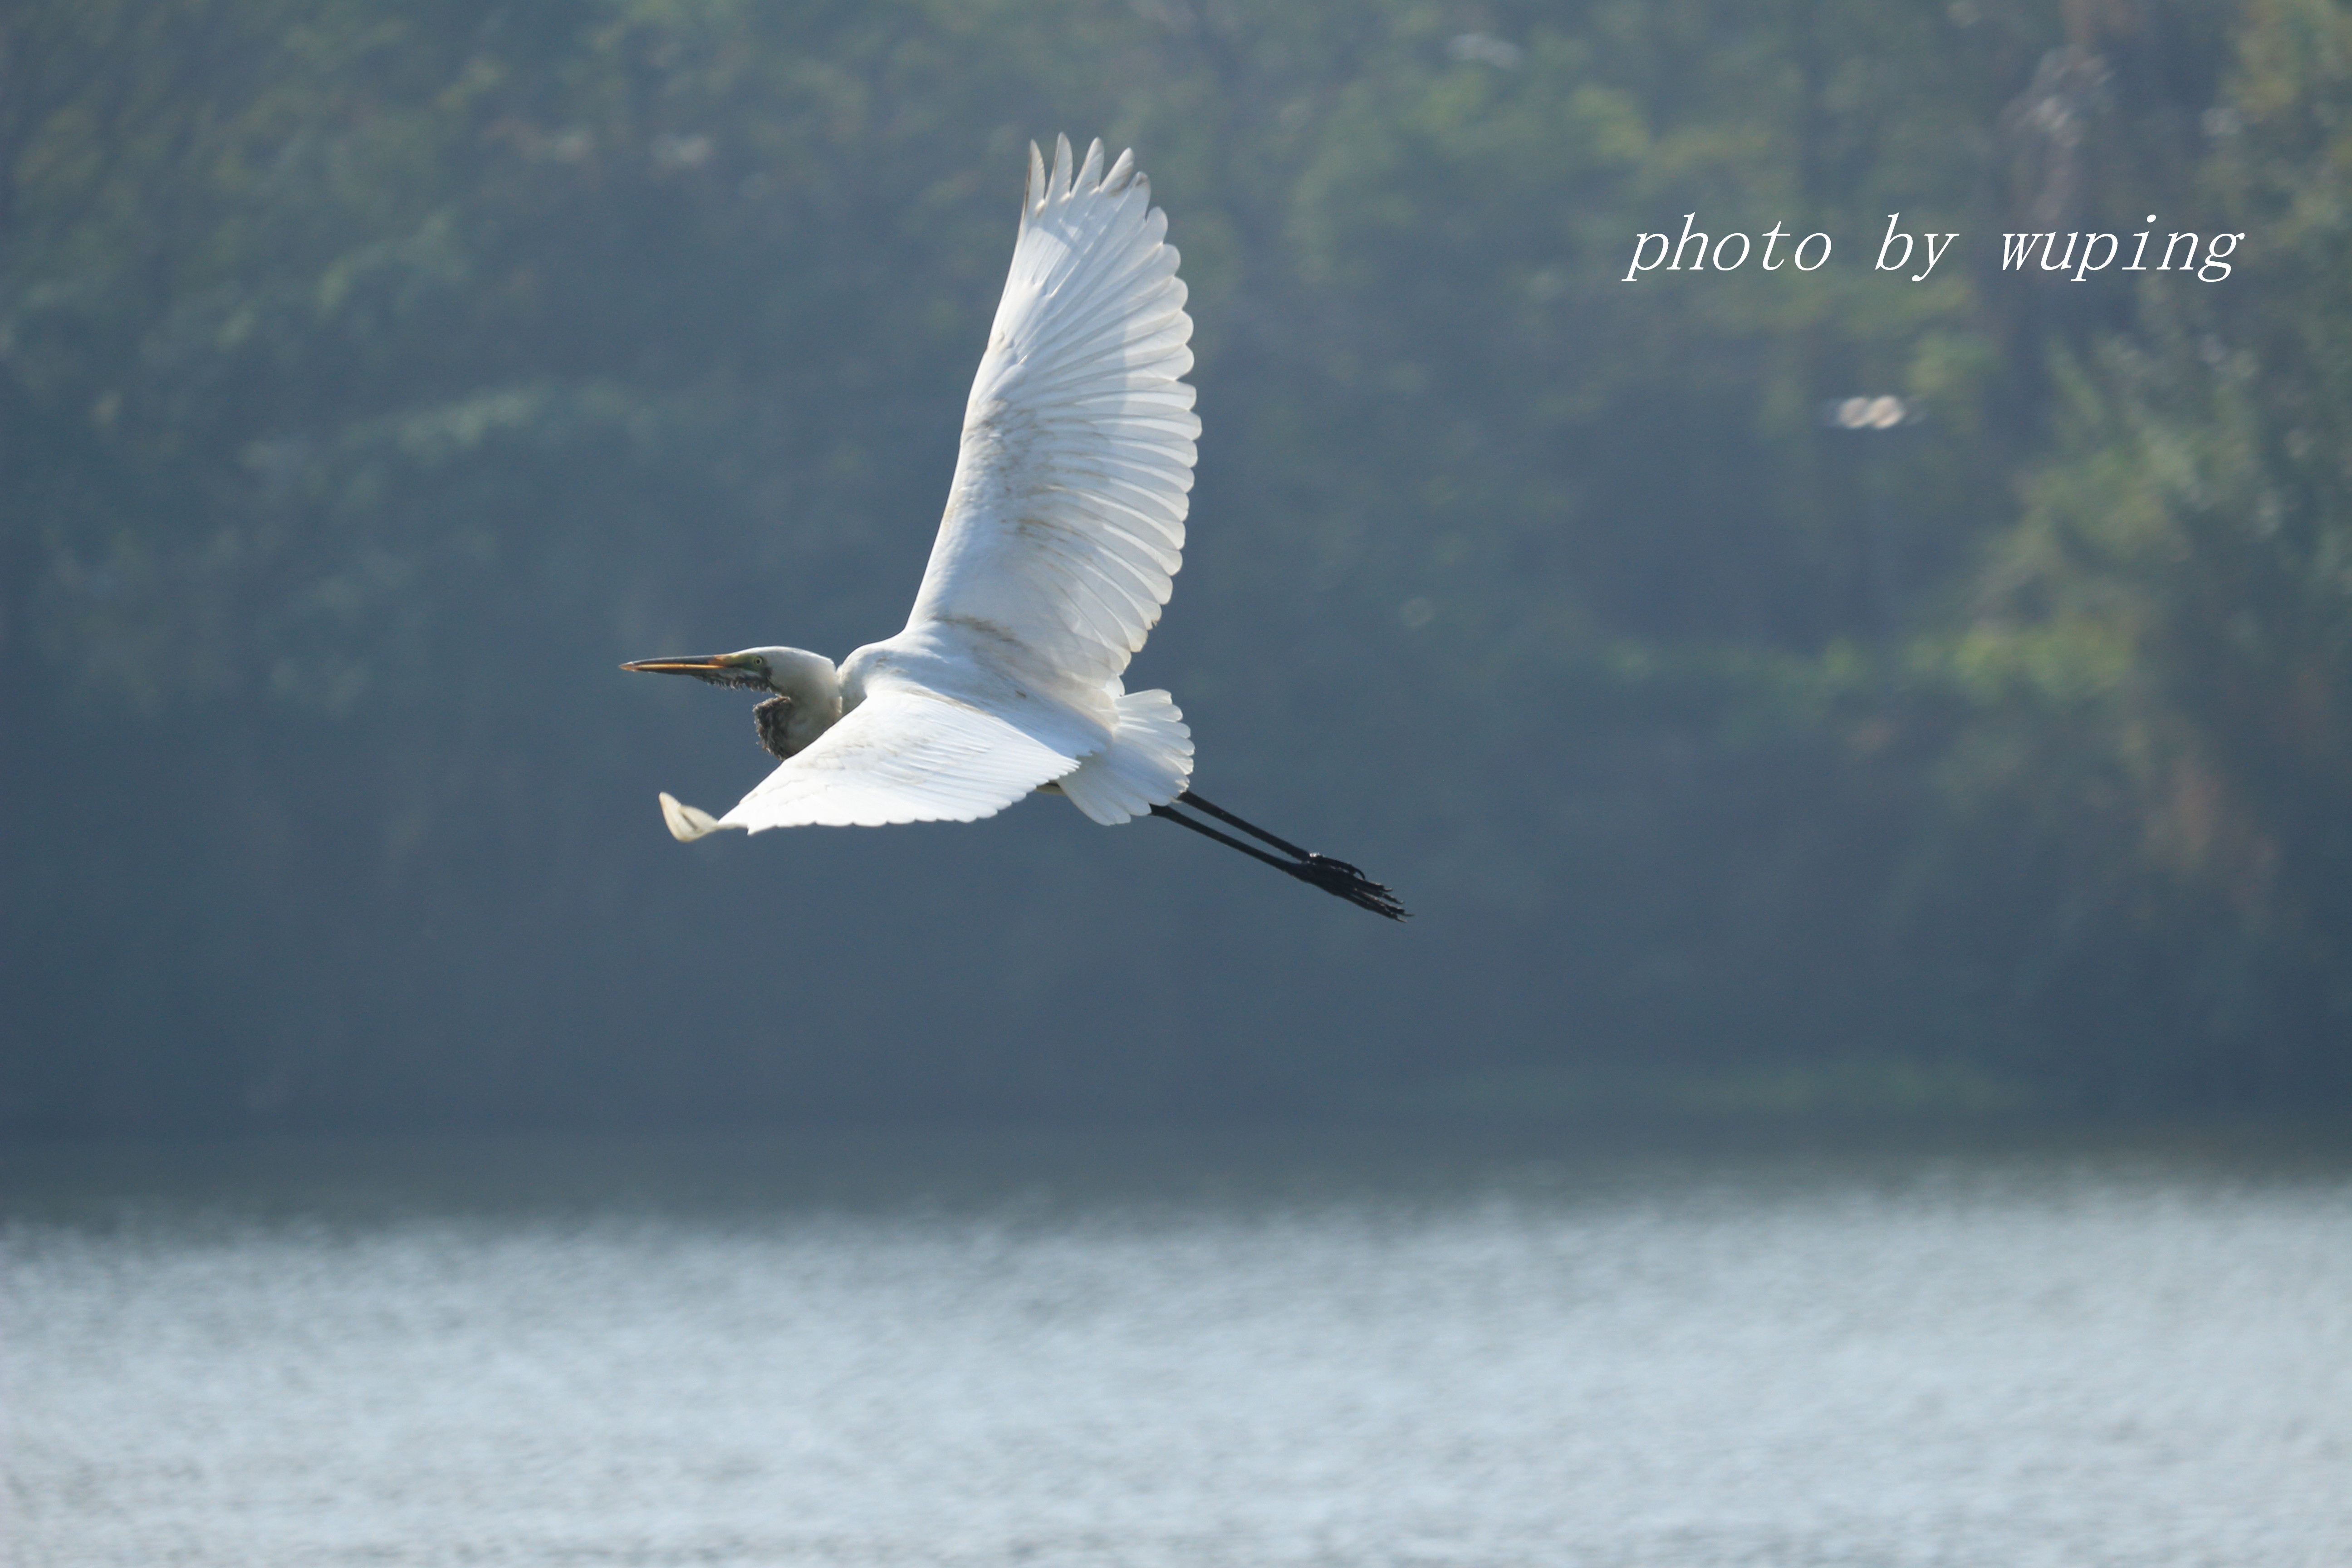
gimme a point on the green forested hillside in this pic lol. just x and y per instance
(374, 378)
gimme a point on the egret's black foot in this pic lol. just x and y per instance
(1342, 880)
(1336, 878)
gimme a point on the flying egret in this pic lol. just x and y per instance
(1065, 525)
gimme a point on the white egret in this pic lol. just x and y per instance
(1064, 526)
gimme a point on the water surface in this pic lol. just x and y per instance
(1174, 1350)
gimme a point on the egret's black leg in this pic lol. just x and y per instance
(1336, 878)
(1260, 833)
(1307, 857)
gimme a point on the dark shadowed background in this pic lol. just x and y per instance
(376, 377)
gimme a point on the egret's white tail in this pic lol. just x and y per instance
(1148, 762)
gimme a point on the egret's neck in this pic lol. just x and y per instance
(813, 684)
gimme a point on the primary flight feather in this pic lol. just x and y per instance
(1062, 534)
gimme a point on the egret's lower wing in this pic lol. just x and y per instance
(904, 754)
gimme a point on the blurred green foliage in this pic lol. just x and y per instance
(374, 378)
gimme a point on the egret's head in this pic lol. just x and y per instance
(803, 690)
(749, 669)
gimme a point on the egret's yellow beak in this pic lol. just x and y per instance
(741, 669)
(705, 666)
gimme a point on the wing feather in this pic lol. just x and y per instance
(1064, 526)
(904, 754)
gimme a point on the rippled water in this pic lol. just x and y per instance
(1008, 1351)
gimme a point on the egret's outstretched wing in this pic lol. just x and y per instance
(904, 754)
(1066, 521)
